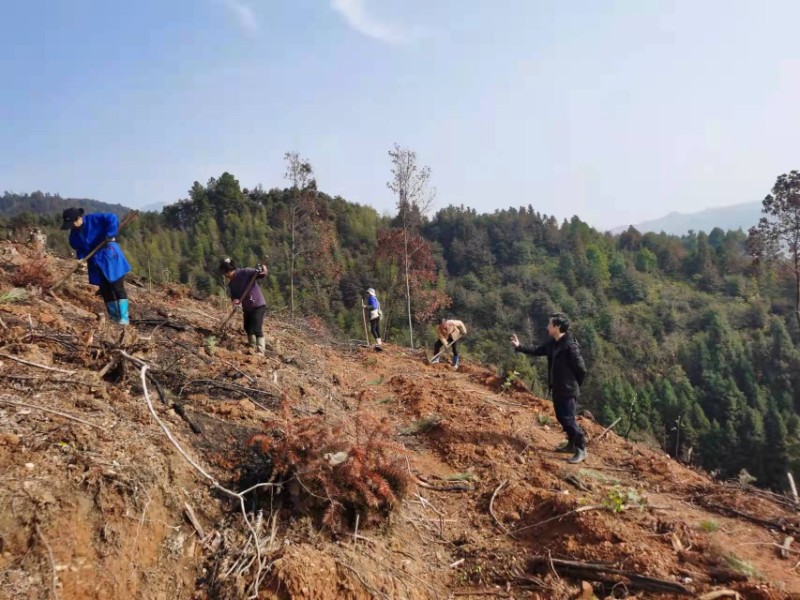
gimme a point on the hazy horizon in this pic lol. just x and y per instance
(617, 113)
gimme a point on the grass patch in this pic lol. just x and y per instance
(461, 477)
(422, 426)
(377, 381)
(742, 566)
(13, 295)
(385, 400)
(544, 419)
(597, 476)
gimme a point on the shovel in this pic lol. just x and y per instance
(446, 347)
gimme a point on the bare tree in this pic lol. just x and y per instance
(300, 172)
(411, 184)
(777, 235)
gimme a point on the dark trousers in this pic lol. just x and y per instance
(453, 347)
(254, 321)
(111, 291)
(375, 328)
(565, 413)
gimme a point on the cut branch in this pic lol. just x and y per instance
(51, 411)
(491, 507)
(54, 578)
(607, 429)
(37, 365)
(600, 572)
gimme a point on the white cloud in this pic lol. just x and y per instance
(244, 14)
(356, 16)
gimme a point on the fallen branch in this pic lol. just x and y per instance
(230, 387)
(559, 517)
(54, 580)
(573, 479)
(161, 323)
(259, 558)
(37, 365)
(597, 572)
(189, 511)
(491, 507)
(50, 410)
(728, 511)
(784, 548)
(52, 380)
(607, 429)
(368, 587)
(721, 594)
(455, 487)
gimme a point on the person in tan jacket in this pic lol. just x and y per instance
(448, 331)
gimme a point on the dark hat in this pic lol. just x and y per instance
(227, 265)
(70, 216)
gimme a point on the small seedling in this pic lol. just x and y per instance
(544, 419)
(619, 499)
(709, 526)
(211, 345)
(511, 377)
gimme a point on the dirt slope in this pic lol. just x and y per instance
(94, 501)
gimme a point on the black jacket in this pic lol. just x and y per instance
(565, 367)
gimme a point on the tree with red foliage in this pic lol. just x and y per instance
(414, 198)
(409, 258)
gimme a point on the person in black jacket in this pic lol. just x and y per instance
(565, 374)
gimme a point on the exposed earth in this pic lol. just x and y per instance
(97, 502)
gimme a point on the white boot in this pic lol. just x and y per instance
(251, 339)
(379, 341)
(261, 345)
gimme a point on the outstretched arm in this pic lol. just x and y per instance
(531, 350)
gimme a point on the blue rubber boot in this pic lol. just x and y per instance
(123, 312)
(113, 311)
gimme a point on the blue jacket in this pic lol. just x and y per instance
(109, 263)
(372, 303)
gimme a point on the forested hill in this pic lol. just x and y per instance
(38, 203)
(688, 343)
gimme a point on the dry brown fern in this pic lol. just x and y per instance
(338, 480)
(35, 273)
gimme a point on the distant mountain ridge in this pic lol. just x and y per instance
(40, 203)
(738, 216)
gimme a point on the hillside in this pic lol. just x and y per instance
(690, 343)
(727, 218)
(98, 503)
(51, 205)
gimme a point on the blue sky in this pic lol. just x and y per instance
(617, 111)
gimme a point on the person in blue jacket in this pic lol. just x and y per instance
(108, 266)
(375, 315)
